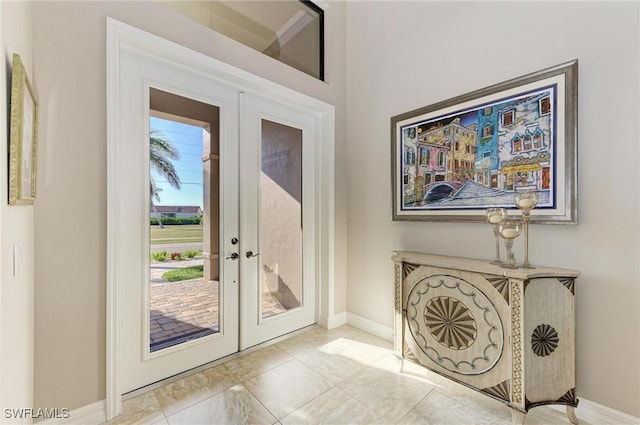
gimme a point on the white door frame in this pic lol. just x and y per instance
(121, 36)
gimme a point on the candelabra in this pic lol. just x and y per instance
(510, 230)
(526, 200)
(495, 216)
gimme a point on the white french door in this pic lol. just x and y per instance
(260, 222)
(277, 219)
(139, 364)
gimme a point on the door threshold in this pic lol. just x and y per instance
(213, 363)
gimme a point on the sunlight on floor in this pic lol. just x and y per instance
(338, 376)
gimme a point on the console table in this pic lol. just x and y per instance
(507, 333)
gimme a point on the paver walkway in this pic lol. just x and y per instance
(177, 309)
(188, 309)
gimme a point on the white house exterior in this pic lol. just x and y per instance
(164, 211)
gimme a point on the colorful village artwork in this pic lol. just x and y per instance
(477, 157)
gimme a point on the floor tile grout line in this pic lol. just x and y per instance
(266, 371)
(166, 418)
(299, 407)
(185, 374)
(239, 381)
(310, 401)
(261, 403)
(217, 394)
(319, 375)
(198, 401)
(191, 404)
(393, 372)
(291, 356)
(415, 405)
(261, 372)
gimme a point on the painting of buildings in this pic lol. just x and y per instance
(478, 157)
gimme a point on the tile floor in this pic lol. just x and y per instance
(338, 376)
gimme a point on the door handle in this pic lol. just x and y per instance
(250, 254)
(233, 256)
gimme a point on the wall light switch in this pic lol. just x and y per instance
(17, 258)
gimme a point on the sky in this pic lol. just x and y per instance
(188, 140)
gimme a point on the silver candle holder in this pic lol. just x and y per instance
(495, 216)
(526, 200)
(509, 231)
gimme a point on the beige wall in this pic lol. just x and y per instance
(70, 223)
(404, 55)
(16, 225)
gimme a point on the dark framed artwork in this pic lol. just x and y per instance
(454, 159)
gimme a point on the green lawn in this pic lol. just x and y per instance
(176, 234)
(186, 273)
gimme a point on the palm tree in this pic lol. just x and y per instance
(154, 193)
(161, 153)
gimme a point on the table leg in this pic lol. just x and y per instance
(571, 413)
(517, 417)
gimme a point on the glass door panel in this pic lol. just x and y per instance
(280, 227)
(184, 198)
(278, 218)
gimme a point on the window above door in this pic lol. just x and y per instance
(290, 31)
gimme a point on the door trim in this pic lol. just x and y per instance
(122, 37)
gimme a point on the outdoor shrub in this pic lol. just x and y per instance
(159, 255)
(190, 253)
(176, 220)
(175, 256)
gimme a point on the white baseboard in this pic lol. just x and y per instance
(595, 413)
(337, 320)
(333, 321)
(91, 414)
(370, 326)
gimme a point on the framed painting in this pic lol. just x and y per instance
(23, 137)
(454, 159)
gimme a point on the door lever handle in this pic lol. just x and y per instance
(233, 256)
(250, 254)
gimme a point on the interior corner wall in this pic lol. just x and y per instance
(16, 226)
(70, 222)
(405, 55)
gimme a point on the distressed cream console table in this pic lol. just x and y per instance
(507, 333)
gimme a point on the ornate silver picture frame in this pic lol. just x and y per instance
(23, 137)
(452, 160)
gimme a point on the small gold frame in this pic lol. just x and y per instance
(23, 137)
